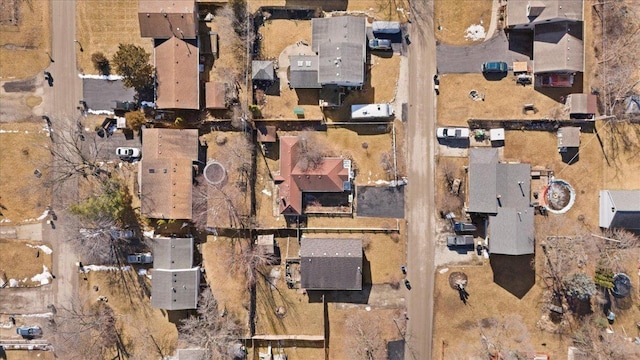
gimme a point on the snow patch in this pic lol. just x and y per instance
(44, 215)
(100, 77)
(8, 131)
(148, 234)
(44, 278)
(47, 250)
(475, 32)
(13, 283)
(88, 268)
(40, 315)
(142, 272)
(443, 271)
(266, 192)
(100, 112)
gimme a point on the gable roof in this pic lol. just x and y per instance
(175, 289)
(262, 70)
(216, 95)
(303, 72)
(293, 180)
(166, 172)
(172, 253)
(568, 136)
(162, 19)
(558, 47)
(620, 209)
(177, 75)
(582, 103)
(340, 42)
(331, 264)
(503, 192)
(521, 12)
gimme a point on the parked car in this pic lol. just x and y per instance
(128, 153)
(380, 44)
(407, 284)
(127, 234)
(140, 258)
(436, 84)
(404, 269)
(461, 227)
(495, 67)
(459, 240)
(29, 331)
(452, 133)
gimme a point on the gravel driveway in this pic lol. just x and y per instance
(469, 59)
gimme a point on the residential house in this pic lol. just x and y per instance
(340, 45)
(331, 264)
(331, 176)
(166, 172)
(175, 281)
(558, 47)
(620, 209)
(177, 75)
(501, 191)
(163, 19)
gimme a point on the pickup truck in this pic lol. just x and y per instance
(461, 227)
(459, 240)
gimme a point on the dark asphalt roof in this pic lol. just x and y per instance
(172, 253)
(102, 94)
(331, 264)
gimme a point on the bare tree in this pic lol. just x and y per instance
(212, 329)
(311, 151)
(87, 330)
(592, 339)
(249, 260)
(365, 338)
(506, 338)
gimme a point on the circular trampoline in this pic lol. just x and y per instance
(559, 196)
(215, 173)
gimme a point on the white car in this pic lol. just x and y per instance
(452, 133)
(128, 152)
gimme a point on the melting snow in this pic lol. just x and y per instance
(44, 215)
(266, 192)
(88, 268)
(100, 77)
(475, 33)
(42, 315)
(47, 250)
(44, 277)
(13, 283)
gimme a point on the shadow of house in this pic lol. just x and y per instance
(620, 209)
(569, 144)
(513, 273)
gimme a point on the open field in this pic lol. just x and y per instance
(24, 44)
(98, 32)
(227, 287)
(452, 18)
(144, 330)
(23, 195)
(455, 106)
(21, 260)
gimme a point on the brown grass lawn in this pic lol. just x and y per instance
(22, 195)
(396, 10)
(29, 355)
(227, 287)
(503, 99)
(18, 261)
(446, 200)
(98, 32)
(23, 47)
(455, 16)
(278, 34)
(624, 168)
(128, 295)
(540, 148)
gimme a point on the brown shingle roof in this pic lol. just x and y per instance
(162, 19)
(267, 133)
(216, 95)
(328, 177)
(166, 172)
(177, 75)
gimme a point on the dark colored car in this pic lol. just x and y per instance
(29, 331)
(407, 284)
(495, 67)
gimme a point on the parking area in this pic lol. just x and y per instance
(381, 202)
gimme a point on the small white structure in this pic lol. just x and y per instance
(496, 134)
(371, 111)
(386, 27)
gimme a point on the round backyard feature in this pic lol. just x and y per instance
(215, 173)
(559, 196)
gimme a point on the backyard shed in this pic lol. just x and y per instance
(267, 134)
(385, 27)
(216, 95)
(496, 134)
(568, 137)
(582, 106)
(262, 70)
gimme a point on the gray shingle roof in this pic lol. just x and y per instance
(262, 70)
(331, 264)
(101, 94)
(542, 11)
(172, 253)
(558, 47)
(340, 42)
(620, 209)
(303, 72)
(569, 136)
(175, 289)
(482, 176)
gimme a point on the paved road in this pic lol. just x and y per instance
(420, 197)
(469, 59)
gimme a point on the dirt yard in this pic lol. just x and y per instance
(98, 32)
(21, 260)
(23, 148)
(452, 20)
(144, 330)
(24, 38)
(455, 106)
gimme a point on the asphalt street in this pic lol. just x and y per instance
(420, 198)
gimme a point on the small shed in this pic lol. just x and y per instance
(496, 134)
(582, 106)
(267, 243)
(385, 27)
(262, 70)
(216, 95)
(267, 134)
(520, 67)
(568, 137)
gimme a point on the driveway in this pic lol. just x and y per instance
(469, 59)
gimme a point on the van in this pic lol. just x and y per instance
(495, 67)
(380, 44)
